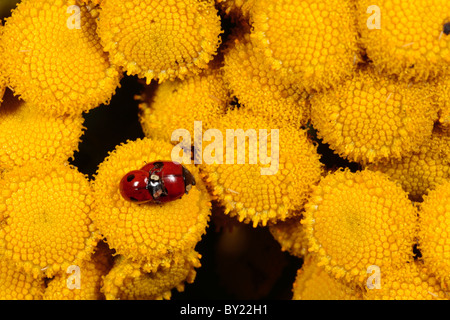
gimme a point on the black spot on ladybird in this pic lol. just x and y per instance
(133, 199)
(130, 177)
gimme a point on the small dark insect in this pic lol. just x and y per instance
(446, 28)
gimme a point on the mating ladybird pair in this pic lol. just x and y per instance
(157, 182)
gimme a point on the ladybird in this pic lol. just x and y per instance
(157, 182)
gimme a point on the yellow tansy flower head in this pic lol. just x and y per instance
(291, 235)
(371, 117)
(128, 281)
(411, 281)
(434, 230)
(177, 104)
(53, 57)
(148, 232)
(44, 214)
(259, 88)
(314, 283)
(406, 38)
(311, 42)
(423, 170)
(27, 133)
(160, 39)
(18, 285)
(82, 282)
(263, 177)
(355, 220)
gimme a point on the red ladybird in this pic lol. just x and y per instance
(159, 182)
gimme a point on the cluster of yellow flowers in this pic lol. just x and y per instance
(292, 76)
(57, 225)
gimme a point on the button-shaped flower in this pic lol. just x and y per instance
(149, 233)
(160, 39)
(53, 57)
(44, 214)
